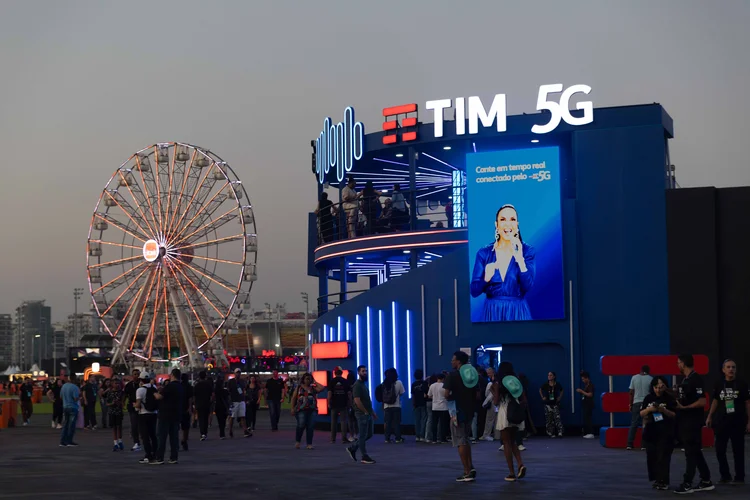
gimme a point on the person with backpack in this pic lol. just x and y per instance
(418, 399)
(304, 406)
(170, 399)
(339, 401)
(391, 391)
(147, 407)
(511, 404)
(461, 386)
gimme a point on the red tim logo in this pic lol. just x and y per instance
(401, 123)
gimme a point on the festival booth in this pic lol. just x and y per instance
(618, 402)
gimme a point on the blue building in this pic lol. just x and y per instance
(609, 293)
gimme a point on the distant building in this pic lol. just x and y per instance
(6, 340)
(31, 335)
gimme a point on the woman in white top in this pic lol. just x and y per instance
(439, 409)
(506, 388)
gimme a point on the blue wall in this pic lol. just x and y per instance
(615, 256)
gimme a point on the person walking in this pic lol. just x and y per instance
(70, 395)
(393, 389)
(640, 386)
(275, 392)
(236, 388)
(419, 390)
(461, 387)
(728, 416)
(168, 424)
(221, 404)
(147, 407)
(304, 406)
(113, 399)
(690, 404)
(365, 416)
(511, 404)
(57, 405)
(202, 393)
(489, 408)
(187, 410)
(252, 400)
(339, 401)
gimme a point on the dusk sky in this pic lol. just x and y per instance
(85, 84)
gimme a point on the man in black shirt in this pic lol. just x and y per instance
(461, 387)
(89, 405)
(130, 389)
(187, 410)
(419, 390)
(236, 388)
(170, 410)
(690, 404)
(275, 391)
(202, 393)
(729, 413)
(339, 401)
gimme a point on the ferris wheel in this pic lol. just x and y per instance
(172, 251)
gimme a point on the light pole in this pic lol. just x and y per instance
(39, 343)
(268, 320)
(77, 293)
(306, 300)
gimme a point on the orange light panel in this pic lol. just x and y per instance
(391, 125)
(321, 377)
(409, 136)
(330, 350)
(322, 406)
(408, 122)
(389, 139)
(400, 110)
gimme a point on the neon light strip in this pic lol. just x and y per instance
(393, 333)
(380, 336)
(385, 236)
(442, 174)
(325, 333)
(431, 192)
(391, 247)
(391, 161)
(369, 352)
(408, 347)
(439, 161)
(356, 332)
(347, 331)
(433, 254)
(338, 337)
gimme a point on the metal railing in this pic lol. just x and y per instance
(373, 215)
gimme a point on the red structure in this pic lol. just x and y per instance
(619, 402)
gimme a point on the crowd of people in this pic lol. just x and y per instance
(462, 406)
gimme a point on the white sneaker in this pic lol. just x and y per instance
(521, 447)
(588, 436)
(502, 447)
(25, 424)
(136, 447)
(53, 424)
(488, 438)
(58, 427)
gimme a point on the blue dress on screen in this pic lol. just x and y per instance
(504, 300)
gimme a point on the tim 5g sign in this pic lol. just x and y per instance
(472, 110)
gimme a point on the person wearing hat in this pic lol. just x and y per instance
(509, 390)
(461, 386)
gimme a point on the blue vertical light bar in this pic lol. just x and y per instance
(393, 326)
(356, 332)
(408, 348)
(347, 331)
(369, 353)
(339, 330)
(325, 333)
(380, 330)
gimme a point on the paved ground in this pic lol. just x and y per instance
(267, 465)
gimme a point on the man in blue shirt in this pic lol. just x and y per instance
(70, 394)
(640, 387)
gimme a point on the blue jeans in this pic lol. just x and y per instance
(420, 420)
(393, 423)
(306, 424)
(166, 428)
(364, 423)
(635, 420)
(274, 410)
(70, 418)
(428, 435)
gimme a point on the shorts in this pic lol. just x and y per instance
(185, 421)
(115, 420)
(460, 433)
(237, 410)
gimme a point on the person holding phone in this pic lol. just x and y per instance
(504, 272)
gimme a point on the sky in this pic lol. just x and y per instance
(85, 84)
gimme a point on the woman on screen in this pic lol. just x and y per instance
(504, 272)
